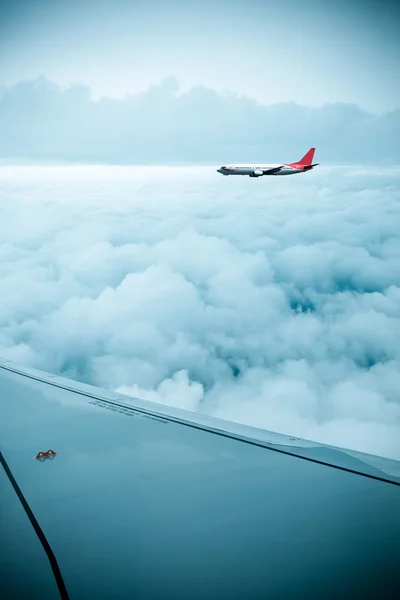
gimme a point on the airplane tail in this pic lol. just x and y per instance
(307, 158)
(306, 162)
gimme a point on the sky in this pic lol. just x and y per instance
(123, 82)
(273, 302)
(311, 52)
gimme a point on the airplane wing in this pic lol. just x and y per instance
(272, 171)
(141, 501)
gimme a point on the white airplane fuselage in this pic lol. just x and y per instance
(261, 169)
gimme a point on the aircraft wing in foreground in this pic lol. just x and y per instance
(109, 497)
(258, 170)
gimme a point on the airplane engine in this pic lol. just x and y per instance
(257, 173)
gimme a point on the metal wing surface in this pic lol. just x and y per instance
(147, 502)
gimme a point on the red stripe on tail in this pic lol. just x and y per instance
(306, 160)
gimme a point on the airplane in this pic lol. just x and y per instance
(108, 497)
(301, 166)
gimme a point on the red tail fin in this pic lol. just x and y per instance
(307, 158)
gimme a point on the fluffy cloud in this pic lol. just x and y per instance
(39, 120)
(273, 302)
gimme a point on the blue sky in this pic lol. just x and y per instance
(311, 52)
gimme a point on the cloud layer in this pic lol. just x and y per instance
(41, 121)
(272, 302)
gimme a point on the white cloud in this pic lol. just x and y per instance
(45, 122)
(273, 302)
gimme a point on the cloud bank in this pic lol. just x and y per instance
(272, 302)
(42, 121)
